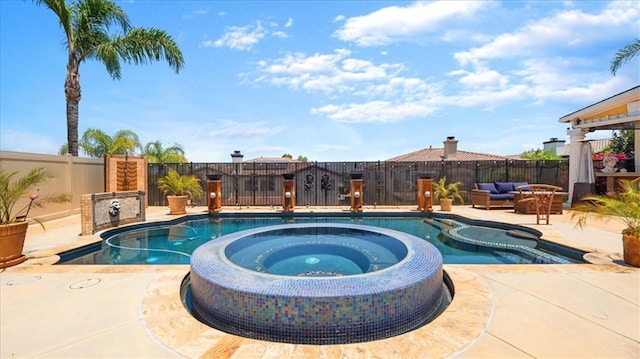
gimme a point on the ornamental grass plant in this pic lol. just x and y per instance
(13, 188)
(622, 206)
(442, 189)
(175, 184)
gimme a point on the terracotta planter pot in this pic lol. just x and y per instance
(177, 204)
(631, 250)
(445, 204)
(11, 243)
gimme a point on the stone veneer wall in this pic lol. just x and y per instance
(94, 210)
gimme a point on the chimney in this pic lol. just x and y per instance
(236, 159)
(554, 145)
(450, 148)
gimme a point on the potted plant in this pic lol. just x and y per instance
(14, 220)
(178, 188)
(447, 192)
(624, 207)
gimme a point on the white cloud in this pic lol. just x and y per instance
(228, 128)
(401, 23)
(557, 33)
(37, 143)
(328, 73)
(546, 60)
(241, 38)
(329, 147)
(194, 14)
(280, 34)
(488, 98)
(482, 78)
(374, 111)
(244, 38)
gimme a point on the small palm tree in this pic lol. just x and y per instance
(623, 206)
(13, 189)
(442, 189)
(96, 143)
(624, 54)
(88, 27)
(155, 153)
(175, 184)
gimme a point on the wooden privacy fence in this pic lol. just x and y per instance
(327, 183)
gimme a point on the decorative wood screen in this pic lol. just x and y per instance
(127, 176)
(125, 173)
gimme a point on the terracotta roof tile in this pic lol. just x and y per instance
(436, 154)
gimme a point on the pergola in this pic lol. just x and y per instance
(618, 112)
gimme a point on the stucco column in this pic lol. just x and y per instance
(576, 138)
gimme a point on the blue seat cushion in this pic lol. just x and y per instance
(503, 196)
(504, 187)
(518, 184)
(487, 187)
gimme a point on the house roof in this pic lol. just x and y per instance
(437, 154)
(616, 112)
(270, 160)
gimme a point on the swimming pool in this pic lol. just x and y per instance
(460, 240)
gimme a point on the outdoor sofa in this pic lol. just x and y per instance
(496, 194)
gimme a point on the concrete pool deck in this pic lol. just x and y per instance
(508, 311)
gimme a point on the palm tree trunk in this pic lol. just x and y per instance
(72, 93)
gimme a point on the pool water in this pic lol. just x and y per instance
(316, 251)
(459, 240)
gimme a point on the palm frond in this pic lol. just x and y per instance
(180, 185)
(623, 206)
(625, 54)
(95, 143)
(144, 45)
(155, 153)
(12, 189)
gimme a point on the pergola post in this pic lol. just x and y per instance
(576, 143)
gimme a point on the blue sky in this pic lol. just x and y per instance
(329, 80)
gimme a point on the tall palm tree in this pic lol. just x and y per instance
(87, 25)
(155, 153)
(96, 143)
(624, 54)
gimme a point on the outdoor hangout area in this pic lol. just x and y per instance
(496, 267)
(499, 310)
(508, 273)
(279, 258)
(319, 179)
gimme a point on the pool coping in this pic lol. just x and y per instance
(451, 332)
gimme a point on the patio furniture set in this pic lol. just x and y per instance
(539, 199)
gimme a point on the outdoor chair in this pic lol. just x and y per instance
(541, 195)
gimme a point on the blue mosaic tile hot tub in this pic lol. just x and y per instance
(392, 283)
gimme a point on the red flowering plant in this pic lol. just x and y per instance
(602, 155)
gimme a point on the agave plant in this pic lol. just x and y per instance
(623, 206)
(13, 188)
(442, 189)
(175, 184)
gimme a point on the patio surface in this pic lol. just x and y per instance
(499, 311)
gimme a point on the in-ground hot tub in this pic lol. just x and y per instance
(316, 283)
